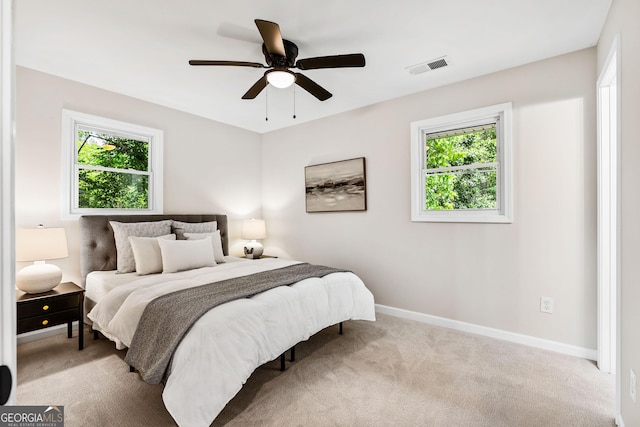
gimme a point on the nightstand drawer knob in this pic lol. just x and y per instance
(45, 308)
(45, 322)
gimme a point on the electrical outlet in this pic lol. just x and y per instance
(632, 385)
(546, 305)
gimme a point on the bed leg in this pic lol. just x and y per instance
(340, 332)
(282, 362)
(95, 335)
(131, 369)
(293, 353)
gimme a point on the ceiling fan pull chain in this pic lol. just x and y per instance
(266, 105)
(294, 102)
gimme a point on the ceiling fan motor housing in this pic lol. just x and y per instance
(274, 60)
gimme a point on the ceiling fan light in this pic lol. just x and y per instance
(281, 79)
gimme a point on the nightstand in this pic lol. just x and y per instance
(63, 304)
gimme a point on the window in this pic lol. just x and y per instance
(110, 166)
(461, 167)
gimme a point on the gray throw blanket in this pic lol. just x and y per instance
(167, 318)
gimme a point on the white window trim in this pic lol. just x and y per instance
(504, 214)
(70, 121)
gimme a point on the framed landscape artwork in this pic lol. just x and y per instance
(335, 187)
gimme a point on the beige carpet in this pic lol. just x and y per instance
(393, 372)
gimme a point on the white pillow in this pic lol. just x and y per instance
(218, 254)
(178, 255)
(125, 263)
(146, 253)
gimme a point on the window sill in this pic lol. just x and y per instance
(469, 216)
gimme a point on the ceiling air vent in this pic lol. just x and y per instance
(437, 64)
(428, 66)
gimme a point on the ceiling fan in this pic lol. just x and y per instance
(280, 55)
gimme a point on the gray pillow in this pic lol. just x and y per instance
(180, 227)
(125, 262)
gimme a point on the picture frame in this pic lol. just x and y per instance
(336, 187)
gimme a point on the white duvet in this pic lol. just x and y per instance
(228, 343)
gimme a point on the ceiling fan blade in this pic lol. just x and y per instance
(334, 61)
(312, 87)
(256, 88)
(270, 32)
(233, 63)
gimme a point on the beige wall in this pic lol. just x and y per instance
(623, 20)
(486, 274)
(217, 163)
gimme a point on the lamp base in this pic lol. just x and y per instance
(37, 278)
(253, 250)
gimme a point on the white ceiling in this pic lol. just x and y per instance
(140, 48)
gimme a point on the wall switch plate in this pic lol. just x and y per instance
(632, 385)
(546, 305)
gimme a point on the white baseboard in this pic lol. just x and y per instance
(572, 350)
(45, 333)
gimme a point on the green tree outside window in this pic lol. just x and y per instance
(461, 170)
(113, 171)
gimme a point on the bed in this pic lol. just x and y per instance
(230, 337)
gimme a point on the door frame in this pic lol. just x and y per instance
(608, 239)
(7, 204)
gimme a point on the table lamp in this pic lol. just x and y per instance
(37, 245)
(253, 229)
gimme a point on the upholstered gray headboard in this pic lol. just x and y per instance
(98, 246)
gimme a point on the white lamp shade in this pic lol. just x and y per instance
(254, 229)
(39, 244)
(281, 79)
